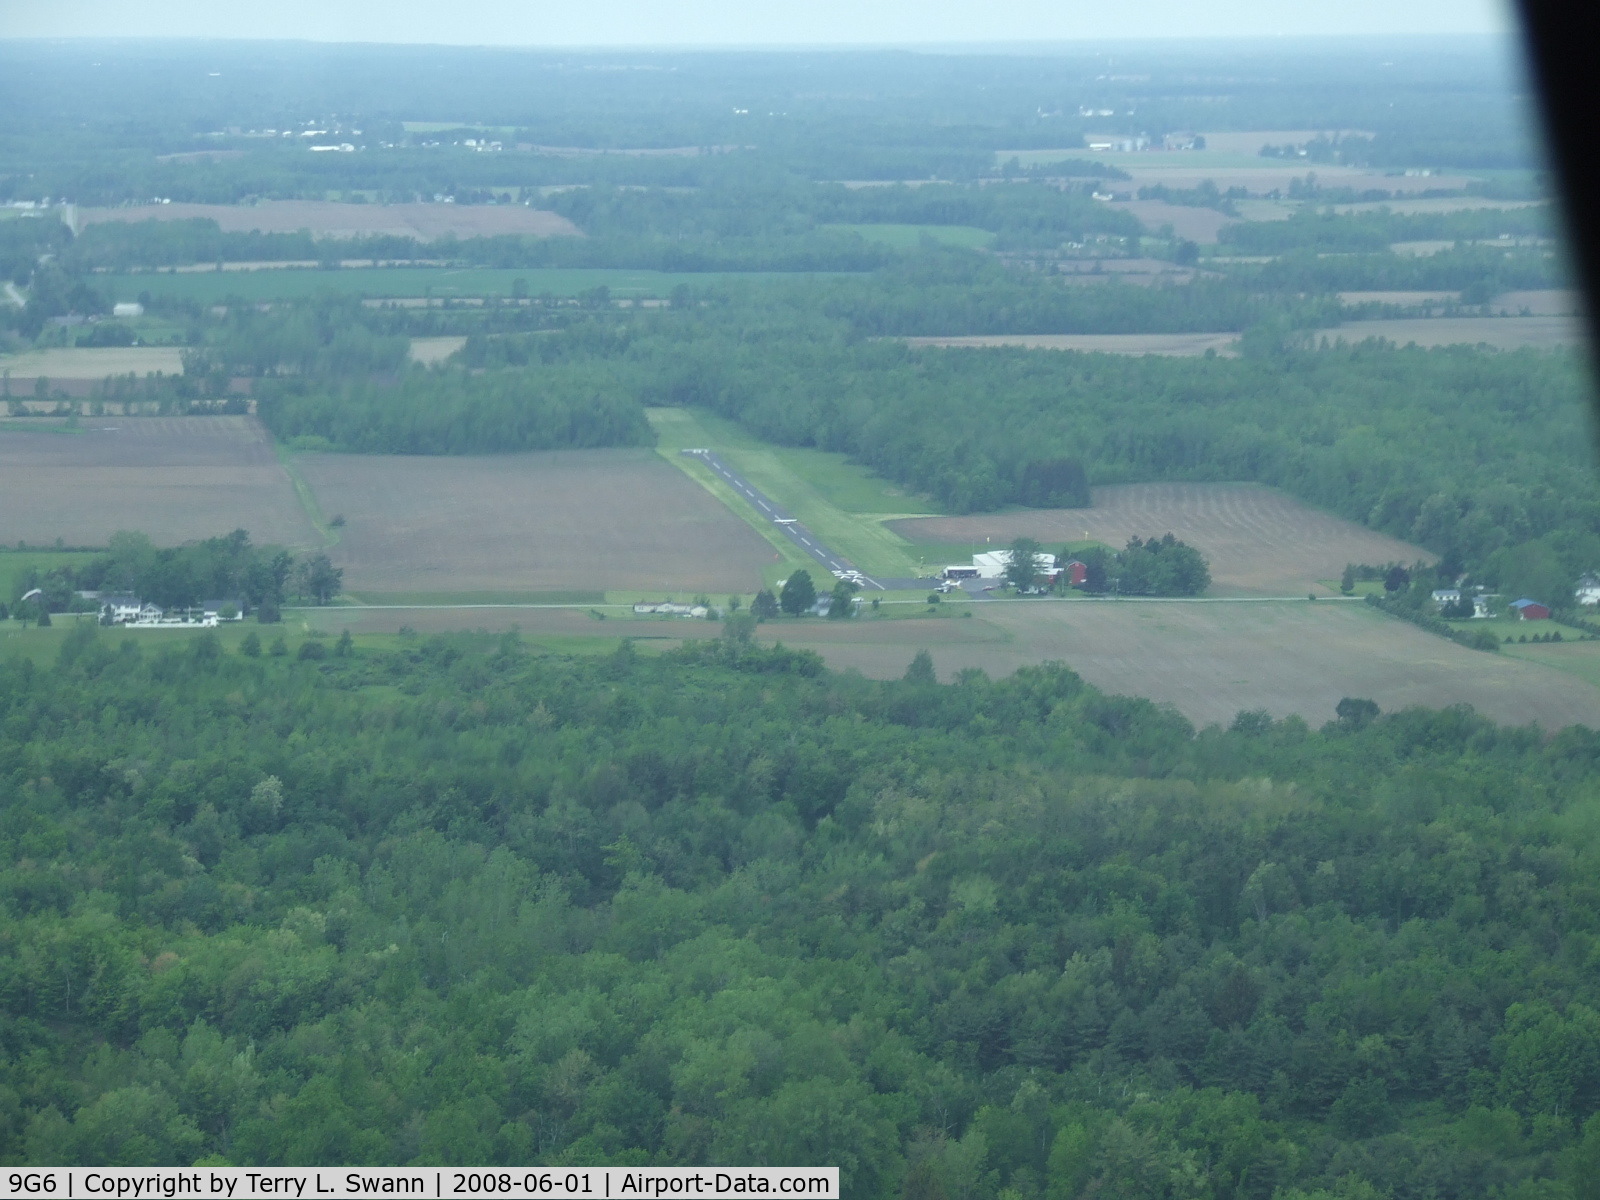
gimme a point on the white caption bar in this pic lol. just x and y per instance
(314, 1183)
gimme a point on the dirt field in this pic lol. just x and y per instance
(588, 519)
(1541, 302)
(1106, 343)
(1211, 660)
(176, 479)
(430, 350)
(92, 362)
(1503, 333)
(1197, 224)
(1408, 299)
(331, 219)
(1259, 542)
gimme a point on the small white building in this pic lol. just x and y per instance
(127, 308)
(1588, 590)
(1444, 596)
(670, 608)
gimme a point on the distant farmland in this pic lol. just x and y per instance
(1181, 344)
(1503, 333)
(1259, 542)
(326, 218)
(440, 283)
(91, 362)
(517, 524)
(175, 478)
(908, 237)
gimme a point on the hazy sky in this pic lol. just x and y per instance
(741, 22)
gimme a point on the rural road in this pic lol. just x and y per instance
(796, 532)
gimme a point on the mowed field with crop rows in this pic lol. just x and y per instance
(175, 478)
(1258, 541)
(520, 524)
(1210, 660)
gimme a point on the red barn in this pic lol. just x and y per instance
(1531, 610)
(1076, 573)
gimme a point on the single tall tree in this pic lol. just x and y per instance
(1022, 563)
(798, 594)
(318, 578)
(839, 604)
(765, 606)
(921, 669)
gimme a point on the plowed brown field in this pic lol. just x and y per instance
(174, 478)
(519, 523)
(1259, 542)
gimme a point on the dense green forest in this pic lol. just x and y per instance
(456, 902)
(452, 411)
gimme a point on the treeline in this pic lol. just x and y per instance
(126, 245)
(1366, 232)
(463, 904)
(1478, 272)
(792, 246)
(946, 292)
(454, 411)
(221, 568)
(328, 336)
(1157, 566)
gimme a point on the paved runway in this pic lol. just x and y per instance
(836, 564)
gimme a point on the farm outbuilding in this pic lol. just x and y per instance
(1531, 610)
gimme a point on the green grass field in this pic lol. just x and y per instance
(909, 237)
(844, 505)
(469, 598)
(41, 646)
(1581, 659)
(439, 283)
